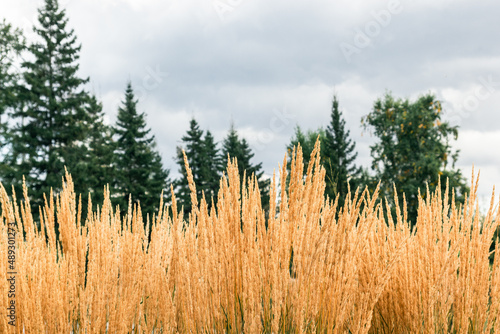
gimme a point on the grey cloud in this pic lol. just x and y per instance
(279, 54)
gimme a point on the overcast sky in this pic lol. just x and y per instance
(270, 65)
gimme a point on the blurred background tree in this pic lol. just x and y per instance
(51, 118)
(193, 147)
(413, 149)
(12, 44)
(236, 147)
(337, 154)
(139, 170)
(340, 157)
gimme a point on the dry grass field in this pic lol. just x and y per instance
(311, 267)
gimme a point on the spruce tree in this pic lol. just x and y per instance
(339, 156)
(53, 122)
(234, 147)
(211, 168)
(139, 171)
(231, 146)
(194, 146)
(11, 45)
(307, 141)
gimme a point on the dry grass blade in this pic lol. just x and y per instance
(306, 266)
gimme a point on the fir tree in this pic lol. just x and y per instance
(210, 172)
(194, 146)
(307, 141)
(139, 171)
(231, 146)
(53, 122)
(234, 147)
(339, 156)
(11, 45)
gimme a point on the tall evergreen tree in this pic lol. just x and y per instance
(53, 123)
(11, 45)
(211, 168)
(231, 146)
(139, 171)
(234, 147)
(202, 157)
(338, 150)
(193, 148)
(307, 141)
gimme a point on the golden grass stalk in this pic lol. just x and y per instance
(310, 267)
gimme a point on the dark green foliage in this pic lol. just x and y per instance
(11, 46)
(337, 154)
(495, 240)
(231, 146)
(139, 171)
(413, 149)
(339, 157)
(203, 157)
(210, 170)
(52, 122)
(307, 141)
(100, 171)
(193, 145)
(237, 148)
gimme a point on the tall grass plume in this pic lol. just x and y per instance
(306, 266)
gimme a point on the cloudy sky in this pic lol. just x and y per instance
(270, 65)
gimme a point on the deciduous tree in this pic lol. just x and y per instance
(413, 149)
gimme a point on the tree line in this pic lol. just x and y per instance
(412, 152)
(51, 124)
(49, 121)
